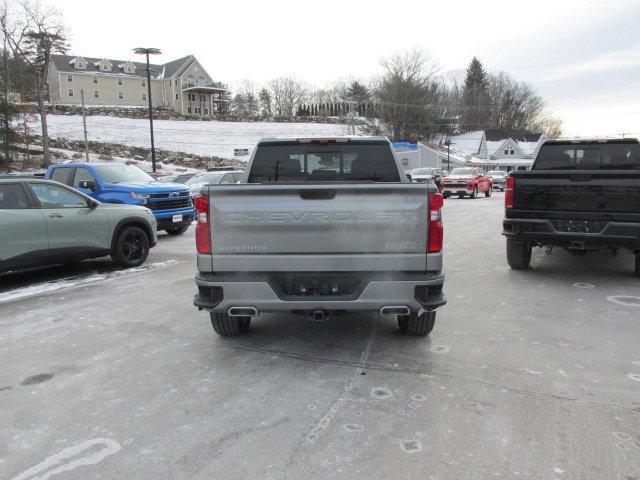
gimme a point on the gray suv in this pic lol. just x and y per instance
(44, 222)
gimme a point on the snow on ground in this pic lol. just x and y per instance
(55, 285)
(206, 138)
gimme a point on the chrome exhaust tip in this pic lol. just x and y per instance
(242, 312)
(395, 310)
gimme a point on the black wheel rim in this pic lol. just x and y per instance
(133, 247)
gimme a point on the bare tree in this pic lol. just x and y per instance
(287, 94)
(408, 95)
(44, 35)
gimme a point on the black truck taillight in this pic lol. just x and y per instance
(510, 184)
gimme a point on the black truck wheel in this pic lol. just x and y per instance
(227, 326)
(414, 324)
(177, 230)
(518, 254)
(488, 192)
(637, 265)
(131, 248)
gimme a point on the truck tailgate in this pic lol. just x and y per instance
(612, 192)
(313, 227)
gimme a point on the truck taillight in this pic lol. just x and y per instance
(435, 234)
(510, 184)
(203, 232)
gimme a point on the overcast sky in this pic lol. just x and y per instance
(583, 56)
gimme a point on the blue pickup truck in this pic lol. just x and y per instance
(120, 183)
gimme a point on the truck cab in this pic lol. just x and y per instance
(127, 184)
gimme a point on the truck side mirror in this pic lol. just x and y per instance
(88, 184)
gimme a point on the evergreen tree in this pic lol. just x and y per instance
(264, 98)
(357, 92)
(475, 99)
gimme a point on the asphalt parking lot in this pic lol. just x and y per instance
(534, 374)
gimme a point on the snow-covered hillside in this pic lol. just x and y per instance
(207, 138)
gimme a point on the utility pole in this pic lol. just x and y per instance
(147, 52)
(84, 126)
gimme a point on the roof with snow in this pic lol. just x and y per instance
(65, 64)
(497, 134)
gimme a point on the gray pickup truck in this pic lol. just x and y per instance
(320, 226)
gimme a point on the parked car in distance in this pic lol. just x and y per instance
(320, 226)
(44, 223)
(127, 184)
(466, 181)
(183, 177)
(426, 174)
(580, 195)
(198, 181)
(498, 177)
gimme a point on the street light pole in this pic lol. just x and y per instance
(147, 52)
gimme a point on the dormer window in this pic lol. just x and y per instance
(119, 80)
(78, 63)
(104, 65)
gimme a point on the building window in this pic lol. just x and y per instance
(176, 96)
(169, 82)
(144, 82)
(177, 82)
(96, 94)
(188, 109)
(71, 92)
(506, 152)
(120, 96)
(512, 152)
(80, 65)
(95, 79)
(144, 97)
(69, 78)
(206, 111)
(119, 80)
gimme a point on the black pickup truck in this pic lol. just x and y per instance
(580, 195)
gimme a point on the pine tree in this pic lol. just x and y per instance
(475, 100)
(264, 98)
(357, 92)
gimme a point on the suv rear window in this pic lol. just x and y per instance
(333, 162)
(589, 156)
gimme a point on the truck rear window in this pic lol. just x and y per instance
(334, 162)
(588, 156)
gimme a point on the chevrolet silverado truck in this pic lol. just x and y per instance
(580, 195)
(127, 184)
(466, 181)
(320, 226)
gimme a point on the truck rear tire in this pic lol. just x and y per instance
(518, 254)
(488, 192)
(131, 248)
(177, 230)
(414, 324)
(227, 326)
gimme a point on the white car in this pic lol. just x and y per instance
(196, 182)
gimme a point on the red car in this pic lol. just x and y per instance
(466, 181)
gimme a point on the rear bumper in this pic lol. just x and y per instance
(613, 234)
(219, 292)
